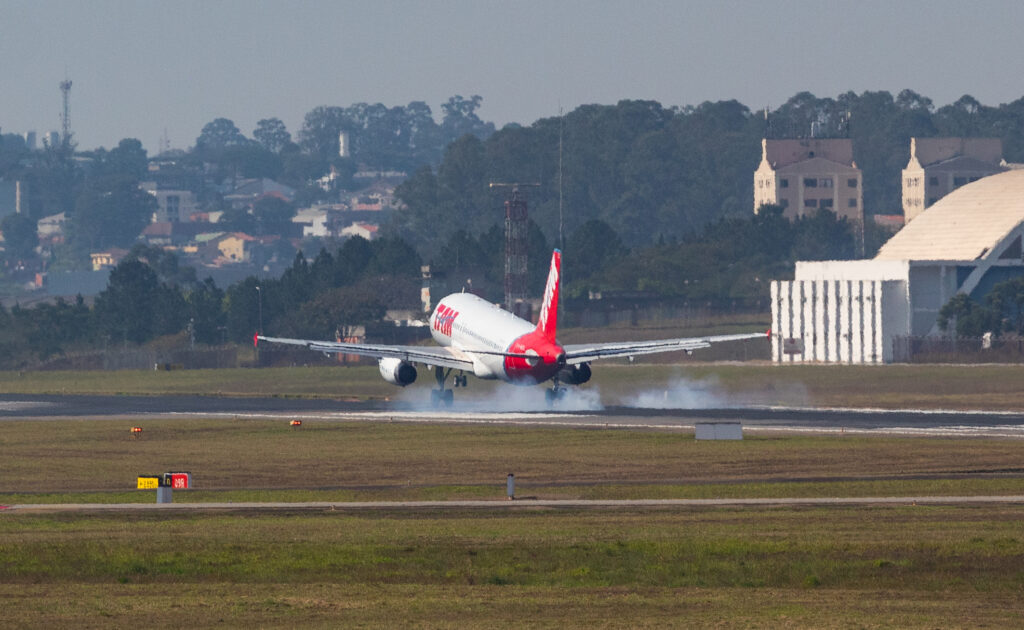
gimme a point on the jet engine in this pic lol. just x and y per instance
(575, 374)
(397, 371)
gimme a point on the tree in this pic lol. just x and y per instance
(136, 307)
(338, 309)
(970, 318)
(460, 118)
(272, 134)
(20, 237)
(320, 130)
(217, 135)
(206, 312)
(128, 159)
(591, 248)
(273, 215)
(111, 212)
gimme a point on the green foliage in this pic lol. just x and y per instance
(206, 312)
(136, 306)
(378, 275)
(219, 134)
(110, 212)
(20, 236)
(272, 134)
(47, 329)
(1001, 312)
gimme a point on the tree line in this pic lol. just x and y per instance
(149, 296)
(651, 171)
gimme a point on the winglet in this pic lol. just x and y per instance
(547, 322)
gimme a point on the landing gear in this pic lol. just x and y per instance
(556, 393)
(442, 396)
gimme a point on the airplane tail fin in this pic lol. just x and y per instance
(547, 322)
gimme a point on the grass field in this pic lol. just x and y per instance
(873, 567)
(995, 387)
(253, 459)
(863, 567)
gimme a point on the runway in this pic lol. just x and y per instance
(754, 419)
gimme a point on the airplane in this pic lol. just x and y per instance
(478, 337)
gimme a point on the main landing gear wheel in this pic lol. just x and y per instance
(441, 395)
(554, 394)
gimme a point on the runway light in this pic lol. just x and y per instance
(295, 424)
(136, 432)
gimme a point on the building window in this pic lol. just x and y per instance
(852, 203)
(851, 183)
(933, 181)
(784, 183)
(959, 181)
(173, 205)
(810, 182)
(810, 203)
(826, 182)
(826, 203)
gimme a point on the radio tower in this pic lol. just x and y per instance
(516, 246)
(65, 89)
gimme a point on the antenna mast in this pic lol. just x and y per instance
(65, 89)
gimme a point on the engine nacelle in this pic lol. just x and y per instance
(397, 371)
(575, 374)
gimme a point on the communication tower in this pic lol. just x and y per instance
(65, 89)
(516, 247)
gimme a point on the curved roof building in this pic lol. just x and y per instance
(968, 224)
(854, 311)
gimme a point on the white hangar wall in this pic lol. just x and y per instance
(850, 311)
(840, 312)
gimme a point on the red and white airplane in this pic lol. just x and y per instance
(478, 337)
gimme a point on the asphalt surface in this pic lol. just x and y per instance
(794, 419)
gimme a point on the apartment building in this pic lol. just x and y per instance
(805, 175)
(938, 166)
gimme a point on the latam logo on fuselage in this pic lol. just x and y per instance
(444, 318)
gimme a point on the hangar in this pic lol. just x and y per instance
(850, 311)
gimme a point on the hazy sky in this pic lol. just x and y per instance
(140, 67)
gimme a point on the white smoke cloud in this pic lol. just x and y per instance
(680, 393)
(505, 398)
(686, 393)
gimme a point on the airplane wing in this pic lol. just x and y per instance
(437, 356)
(428, 355)
(580, 353)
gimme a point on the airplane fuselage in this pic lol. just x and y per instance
(469, 324)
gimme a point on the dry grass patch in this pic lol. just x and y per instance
(382, 460)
